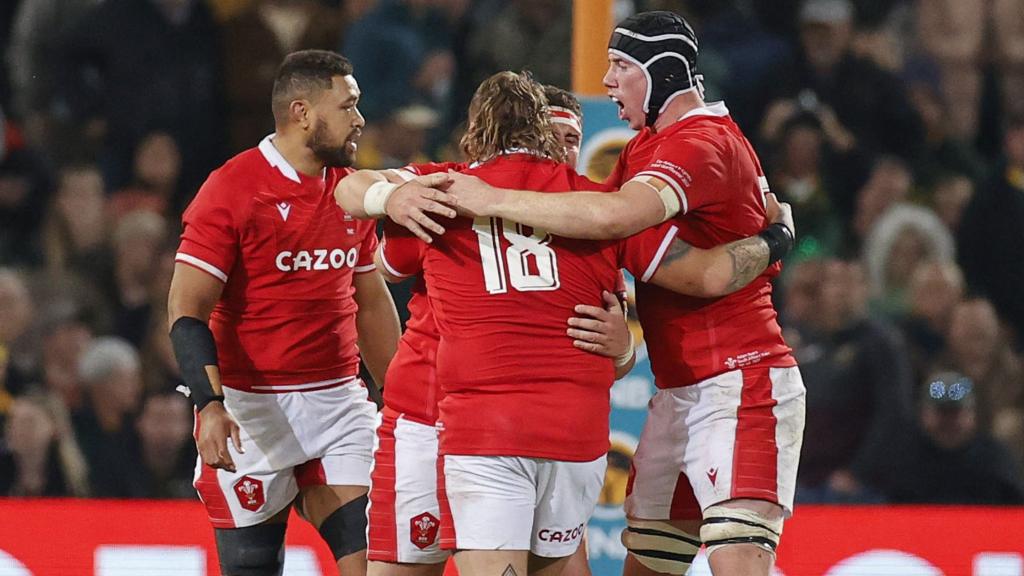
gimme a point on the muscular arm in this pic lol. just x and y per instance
(409, 202)
(591, 215)
(376, 323)
(714, 272)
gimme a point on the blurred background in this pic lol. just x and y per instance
(895, 128)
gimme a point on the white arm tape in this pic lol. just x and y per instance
(376, 198)
(668, 197)
(621, 361)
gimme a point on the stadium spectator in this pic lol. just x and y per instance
(16, 312)
(109, 371)
(946, 457)
(978, 348)
(255, 42)
(25, 186)
(888, 182)
(137, 243)
(39, 30)
(965, 38)
(991, 227)
(523, 35)
(400, 139)
(950, 197)
(168, 454)
(934, 291)
(39, 455)
(868, 102)
(903, 237)
(75, 230)
(155, 183)
(402, 52)
(129, 67)
(63, 343)
(857, 373)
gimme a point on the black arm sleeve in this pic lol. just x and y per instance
(195, 350)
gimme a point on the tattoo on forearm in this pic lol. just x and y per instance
(749, 258)
(676, 250)
(509, 571)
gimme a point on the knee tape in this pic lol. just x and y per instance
(724, 526)
(660, 546)
(251, 551)
(345, 529)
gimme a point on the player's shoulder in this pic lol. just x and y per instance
(232, 180)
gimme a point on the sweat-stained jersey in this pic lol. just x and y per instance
(287, 255)
(501, 294)
(721, 186)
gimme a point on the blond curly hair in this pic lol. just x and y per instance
(509, 111)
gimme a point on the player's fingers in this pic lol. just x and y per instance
(588, 346)
(611, 301)
(593, 311)
(587, 324)
(424, 221)
(438, 208)
(587, 336)
(413, 227)
(236, 438)
(436, 179)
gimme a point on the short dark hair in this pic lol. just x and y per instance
(563, 99)
(304, 73)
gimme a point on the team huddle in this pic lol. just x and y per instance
(493, 434)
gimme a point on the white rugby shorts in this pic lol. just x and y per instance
(736, 435)
(291, 440)
(517, 503)
(404, 517)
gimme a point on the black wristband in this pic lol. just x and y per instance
(195, 350)
(780, 241)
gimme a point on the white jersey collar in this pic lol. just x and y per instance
(716, 109)
(277, 160)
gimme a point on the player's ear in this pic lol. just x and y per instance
(299, 112)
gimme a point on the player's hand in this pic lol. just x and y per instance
(472, 195)
(216, 428)
(780, 213)
(601, 331)
(412, 204)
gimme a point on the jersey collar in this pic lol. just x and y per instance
(716, 109)
(276, 160)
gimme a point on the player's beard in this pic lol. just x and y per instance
(331, 156)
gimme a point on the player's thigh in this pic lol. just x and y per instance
(744, 436)
(263, 483)
(489, 502)
(658, 487)
(567, 493)
(543, 566)
(404, 514)
(317, 502)
(577, 564)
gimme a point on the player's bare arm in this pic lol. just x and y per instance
(725, 269)
(603, 331)
(409, 202)
(639, 204)
(376, 323)
(193, 295)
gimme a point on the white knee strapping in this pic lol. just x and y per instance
(724, 525)
(660, 546)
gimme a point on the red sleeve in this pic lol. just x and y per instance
(693, 169)
(209, 240)
(642, 252)
(401, 252)
(367, 247)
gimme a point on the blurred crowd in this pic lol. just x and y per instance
(895, 128)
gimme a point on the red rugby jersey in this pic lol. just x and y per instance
(411, 383)
(721, 186)
(287, 255)
(501, 294)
